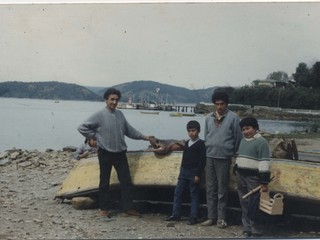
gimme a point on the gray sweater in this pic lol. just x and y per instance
(110, 129)
(222, 141)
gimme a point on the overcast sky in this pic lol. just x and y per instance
(192, 45)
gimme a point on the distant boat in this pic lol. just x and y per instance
(175, 114)
(56, 101)
(179, 114)
(149, 112)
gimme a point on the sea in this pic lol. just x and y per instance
(30, 124)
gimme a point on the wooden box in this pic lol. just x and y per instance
(271, 206)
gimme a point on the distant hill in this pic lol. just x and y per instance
(150, 91)
(47, 90)
(96, 90)
(136, 91)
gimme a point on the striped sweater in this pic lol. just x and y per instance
(254, 157)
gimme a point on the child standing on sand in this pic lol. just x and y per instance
(192, 166)
(253, 170)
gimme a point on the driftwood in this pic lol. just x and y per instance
(255, 189)
(166, 146)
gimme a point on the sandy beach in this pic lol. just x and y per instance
(29, 211)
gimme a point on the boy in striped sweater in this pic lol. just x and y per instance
(252, 170)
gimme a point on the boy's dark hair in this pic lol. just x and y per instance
(111, 91)
(249, 121)
(220, 95)
(193, 124)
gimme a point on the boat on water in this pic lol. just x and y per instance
(299, 179)
(180, 114)
(149, 112)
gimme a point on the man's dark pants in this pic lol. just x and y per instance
(120, 162)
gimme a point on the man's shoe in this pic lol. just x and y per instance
(132, 212)
(246, 234)
(257, 235)
(104, 213)
(207, 223)
(171, 218)
(222, 224)
(192, 221)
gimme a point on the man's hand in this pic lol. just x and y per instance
(264, 187)
(196, 179)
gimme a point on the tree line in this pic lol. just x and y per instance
(302, 90)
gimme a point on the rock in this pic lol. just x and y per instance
(25, 164)
(69, 149)
(3, 155)
(83, 203)
(14, 155)
(4, 162)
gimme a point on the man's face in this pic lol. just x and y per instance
(112, 101)
(220, 106)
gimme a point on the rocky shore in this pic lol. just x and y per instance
(30, 179)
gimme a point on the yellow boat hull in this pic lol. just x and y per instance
(294, 178)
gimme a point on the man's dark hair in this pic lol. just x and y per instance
(111, 91)
(249, 121)
(193, 124)
(220, 95)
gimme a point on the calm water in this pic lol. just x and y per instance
(41, 124)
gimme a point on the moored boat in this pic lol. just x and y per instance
(179, 114)
(149, 112)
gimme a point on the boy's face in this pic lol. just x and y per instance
(193, 133)
(93, 142)
(248, 131)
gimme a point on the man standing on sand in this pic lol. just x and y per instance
(109, 126)
(222, 138)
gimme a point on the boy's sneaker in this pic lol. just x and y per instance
(222, 224)
(104, 213)
(257, 235)
(192, 221)
(171, 218)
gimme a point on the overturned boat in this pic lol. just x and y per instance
(295, 179)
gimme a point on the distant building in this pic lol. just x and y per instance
(270, 83)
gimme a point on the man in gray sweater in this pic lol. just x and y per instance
(222, 135)
(109, 126)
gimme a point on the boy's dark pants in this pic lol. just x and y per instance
(244, 185)
(186, 178)
(120, 163)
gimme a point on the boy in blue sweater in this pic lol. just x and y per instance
(192, 166)
(253, 170)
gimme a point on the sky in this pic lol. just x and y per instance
(192, 45)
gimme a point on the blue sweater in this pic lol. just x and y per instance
(222, 141)
(194, 157)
